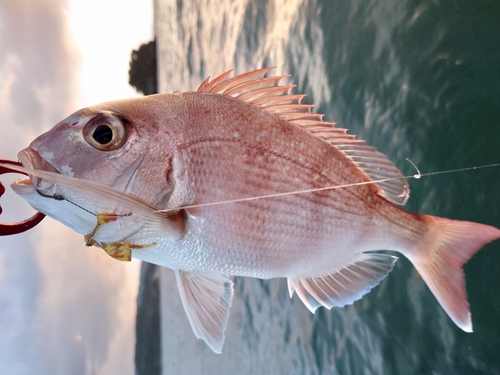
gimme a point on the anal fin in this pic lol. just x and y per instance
(345, 285)
(206, 300)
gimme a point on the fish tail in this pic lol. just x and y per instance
(448, 246)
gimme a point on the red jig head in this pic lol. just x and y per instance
(21, 226)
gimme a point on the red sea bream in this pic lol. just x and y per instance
(139, 177)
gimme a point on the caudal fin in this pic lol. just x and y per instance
(449, 245)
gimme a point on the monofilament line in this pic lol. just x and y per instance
(418, 175)
(296, 192)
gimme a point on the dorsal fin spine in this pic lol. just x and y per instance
(279, 100)
(302, 116)
(265, 93)
(237, 90)
(221, 87)
(216, 81)
(204, 84)
(288, 108)
(311, 125)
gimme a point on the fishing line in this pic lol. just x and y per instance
(418, 175)
(296, 192)
(275, 195)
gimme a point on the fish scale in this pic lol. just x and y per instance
(170, 183)
(294, 233)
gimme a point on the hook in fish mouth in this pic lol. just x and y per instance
(20, 226)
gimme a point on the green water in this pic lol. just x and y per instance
(421, 79)
(417, 80)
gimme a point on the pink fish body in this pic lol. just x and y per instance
(165, 178)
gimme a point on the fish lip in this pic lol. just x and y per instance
(31, 159)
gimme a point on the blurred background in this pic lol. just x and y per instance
(64, 308)
(416, 79)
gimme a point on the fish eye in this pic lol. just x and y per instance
(105, 132)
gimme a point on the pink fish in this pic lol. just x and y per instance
(165, 179)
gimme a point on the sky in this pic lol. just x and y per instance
(64, 308)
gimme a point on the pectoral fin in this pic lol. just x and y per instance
(206, 300)
(343, 286)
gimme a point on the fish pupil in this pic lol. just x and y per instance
(103, 134)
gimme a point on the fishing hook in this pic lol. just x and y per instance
(20, 226)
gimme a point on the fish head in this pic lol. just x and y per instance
(113, 144)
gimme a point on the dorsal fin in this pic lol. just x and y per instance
(269, 94)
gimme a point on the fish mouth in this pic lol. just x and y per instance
(31, 159)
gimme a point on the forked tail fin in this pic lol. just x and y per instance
(450, 244)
